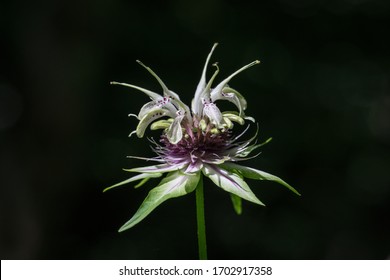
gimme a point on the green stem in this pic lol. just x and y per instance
(201, 221)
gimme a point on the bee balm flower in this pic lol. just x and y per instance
(194, 142)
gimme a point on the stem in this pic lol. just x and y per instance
(201, 221)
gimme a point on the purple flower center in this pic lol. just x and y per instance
(197, 146)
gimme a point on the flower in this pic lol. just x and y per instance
(196, 142)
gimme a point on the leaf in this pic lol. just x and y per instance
(230, 182)
(144, 176)
(174, 185)
(143, 182)
(160, 168)
(237, 203)
(255, 174)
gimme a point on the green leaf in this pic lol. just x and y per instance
(174, 185)
(159, 168)
(237, 203)
(143, 177)
(252, 173)
(140, 184)
(230, 182)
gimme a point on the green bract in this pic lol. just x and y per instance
(196, 142)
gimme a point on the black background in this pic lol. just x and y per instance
(322, 92)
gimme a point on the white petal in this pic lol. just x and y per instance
(216, 92)
(164, 87)
(234, 97)
(196, 102)
(175, 99)
(213, 113)
(151, 94)
(160, 103)
(175, 131)
(149, 118)
(147, 108)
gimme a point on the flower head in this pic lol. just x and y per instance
(195, 141)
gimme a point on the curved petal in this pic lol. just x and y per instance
(164, 87)
(175, 99)
(213, 113)
(151, 94)
(241, 99)
(230, 182)
(217, 91)
(161, 103)
(149, 118)
(161, 124)
(175, 131)
(196, 103)
(174, 185)
(234, 97)
(233, 117)
(147, 108)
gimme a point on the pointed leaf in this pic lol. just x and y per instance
(237, 203)
(160, 168)
(135, 178)
(252, 173)
(230, 182)
(143, 182)
(174, 185)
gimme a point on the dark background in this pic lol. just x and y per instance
(322, 92)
